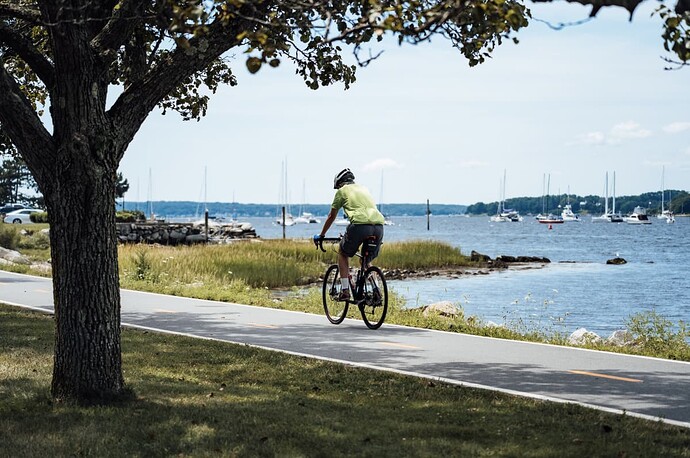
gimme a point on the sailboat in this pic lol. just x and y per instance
(305, 217)
(550, 218)
(386, 220)
(504, 214)
(666, 214)
(609, 216)
(284, 219)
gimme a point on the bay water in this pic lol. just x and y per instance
(577, 289)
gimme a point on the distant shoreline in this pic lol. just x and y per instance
(190, 209)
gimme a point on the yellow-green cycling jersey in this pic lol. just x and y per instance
(358, 205)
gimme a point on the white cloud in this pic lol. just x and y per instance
(627, 130)
(591, 138)
(676, 127)
(382, 164)
(618, 133)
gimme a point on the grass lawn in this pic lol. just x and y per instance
(203, 398)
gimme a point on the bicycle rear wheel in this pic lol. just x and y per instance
(335, 310)
(374, 305)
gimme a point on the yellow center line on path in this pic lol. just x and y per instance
(267, 326)
(397, 345)
(612, 377)
(164, 311)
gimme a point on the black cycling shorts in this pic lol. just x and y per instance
(356, 234)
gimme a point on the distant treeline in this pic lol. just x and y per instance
(679, 203)
(183, 209)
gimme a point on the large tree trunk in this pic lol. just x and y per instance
(78, 182)
(81, 209)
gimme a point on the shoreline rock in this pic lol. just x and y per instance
(163, 233)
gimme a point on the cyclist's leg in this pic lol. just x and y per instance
(348, 247)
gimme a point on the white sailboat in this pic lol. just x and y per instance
(305, 217)
(503, 214)
(386, 220)
(609, 216)
(543, 217)
(284, 218)
(666, 214)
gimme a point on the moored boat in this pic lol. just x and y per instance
(638, 216)
(609, 216)
(550, 219)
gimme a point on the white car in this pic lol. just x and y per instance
(22, 216)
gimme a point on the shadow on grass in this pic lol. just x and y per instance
(209, 398)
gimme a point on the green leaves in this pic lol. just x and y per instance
(676, 34)
(253, 64)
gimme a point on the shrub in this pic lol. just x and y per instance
(655, 335)
(9, 237)
(39, 217)
(35, 241)
(129, 216)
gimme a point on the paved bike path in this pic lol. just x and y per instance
(647, 387)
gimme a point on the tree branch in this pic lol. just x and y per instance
(27, 51)
(25, 13)
(119, 27)
(629, 5)
(137, 101)
(21, 123)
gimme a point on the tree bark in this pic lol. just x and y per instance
(88, 365)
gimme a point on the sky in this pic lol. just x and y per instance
(420, 124)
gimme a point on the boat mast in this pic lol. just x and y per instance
(503, 201)
(614, 192)
(662, 189)
(606, 192)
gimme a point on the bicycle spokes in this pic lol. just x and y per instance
(374, 302)
(335, 309)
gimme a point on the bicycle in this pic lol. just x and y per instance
(369, 290)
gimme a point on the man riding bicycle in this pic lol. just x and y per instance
(365, 221)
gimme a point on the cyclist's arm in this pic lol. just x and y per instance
(332, 215)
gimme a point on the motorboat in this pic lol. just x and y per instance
(638, 216)
(568, 215)
(550, 219)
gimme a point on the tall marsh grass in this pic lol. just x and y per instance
(266, 264)
(421, 255)
(272, 264)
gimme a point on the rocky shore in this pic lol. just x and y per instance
(485, 266)
(164, 233)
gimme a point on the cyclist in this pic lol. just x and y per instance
(365, 221)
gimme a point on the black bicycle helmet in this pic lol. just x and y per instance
(345, 176)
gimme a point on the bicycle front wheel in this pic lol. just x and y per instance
(335, 310)
(374, 305)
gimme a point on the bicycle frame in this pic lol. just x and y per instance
(358, 286)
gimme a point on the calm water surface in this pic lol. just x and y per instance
(576, 290)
